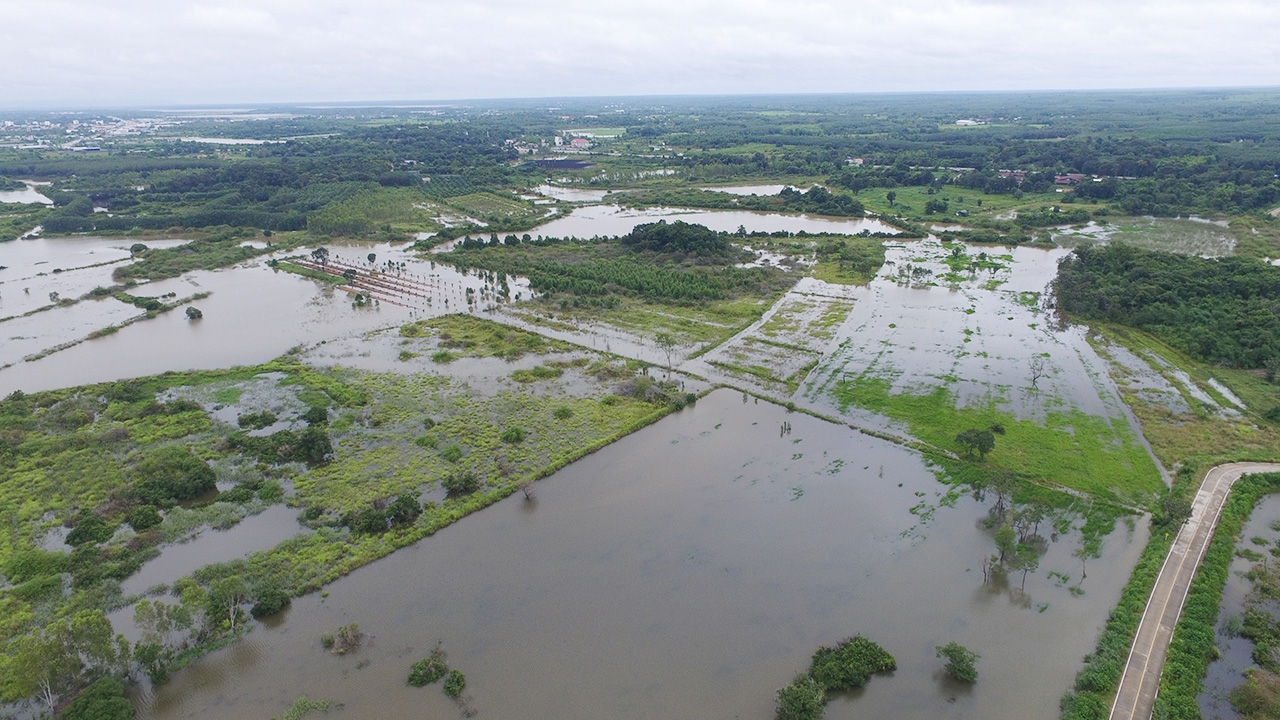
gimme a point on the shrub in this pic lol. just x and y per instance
(429, 669)
(238, 495)
(443, 356)
(257, 421)
(458, 484)
(144, 517)
(404, 509)
(961, 661)
(513, 435)
(271, 600)
(367, 520)
(103, 700)
(90, 529)
(803, 699)
(428, 441)
(563, 412)
(34, 563)
(172, 473)
(452, 453)
(313, 446)
(455, 683)
(315, 416)
(850, 664)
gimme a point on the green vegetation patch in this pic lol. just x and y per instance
(461, 335)
(1071, 448)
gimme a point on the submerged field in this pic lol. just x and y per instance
(431, 415)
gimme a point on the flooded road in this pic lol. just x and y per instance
(688, 570)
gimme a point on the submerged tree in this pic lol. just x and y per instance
(961, 661)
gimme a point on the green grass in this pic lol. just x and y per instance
(461, 335)
(1070, 449)
(1199, 435)
(500, 209)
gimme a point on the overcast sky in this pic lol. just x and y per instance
(94, 53)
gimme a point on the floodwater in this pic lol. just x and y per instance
(761, 190)
(688, 570)
(27, 196)
(977, 334)
(1190, 236)
(1227, 672)
(253, 314)
(610, 220)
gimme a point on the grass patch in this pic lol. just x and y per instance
(1072, 449)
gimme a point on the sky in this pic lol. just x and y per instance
(139, 53)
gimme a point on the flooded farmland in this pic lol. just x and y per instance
(686, 571)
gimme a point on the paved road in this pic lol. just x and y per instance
(1141, 679)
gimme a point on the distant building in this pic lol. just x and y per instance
(579, 143)
(1068, 179)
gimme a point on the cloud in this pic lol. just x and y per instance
(118, 52)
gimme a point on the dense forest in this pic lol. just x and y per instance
(1224, 311)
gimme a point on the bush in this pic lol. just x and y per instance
(961, 661)
(144, 517)
(90, 529)
(803, 699)
(313, 446)
(315, 416)
(452, 453)
(103, 700)
(172, 473)
(850, 664)
(513, 435)
(455, 683)
(238, 495)
(258, 420)
(271, 600)
(429, 669)
(458, 484)
(34, 563)
(367, 520)
(404, 509)
(563, 412)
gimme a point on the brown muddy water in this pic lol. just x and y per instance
(253, 313)
(688, 570)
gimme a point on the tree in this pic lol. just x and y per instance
(891, 196)
(1037, 365)
(226, 595)
(372, 257)
(51, 661)
(961, 661)
(668, 344)
(193, 313)
(321, 255)
(975, 440)
(1006, 542)
(349, 274)
(1024, 559)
